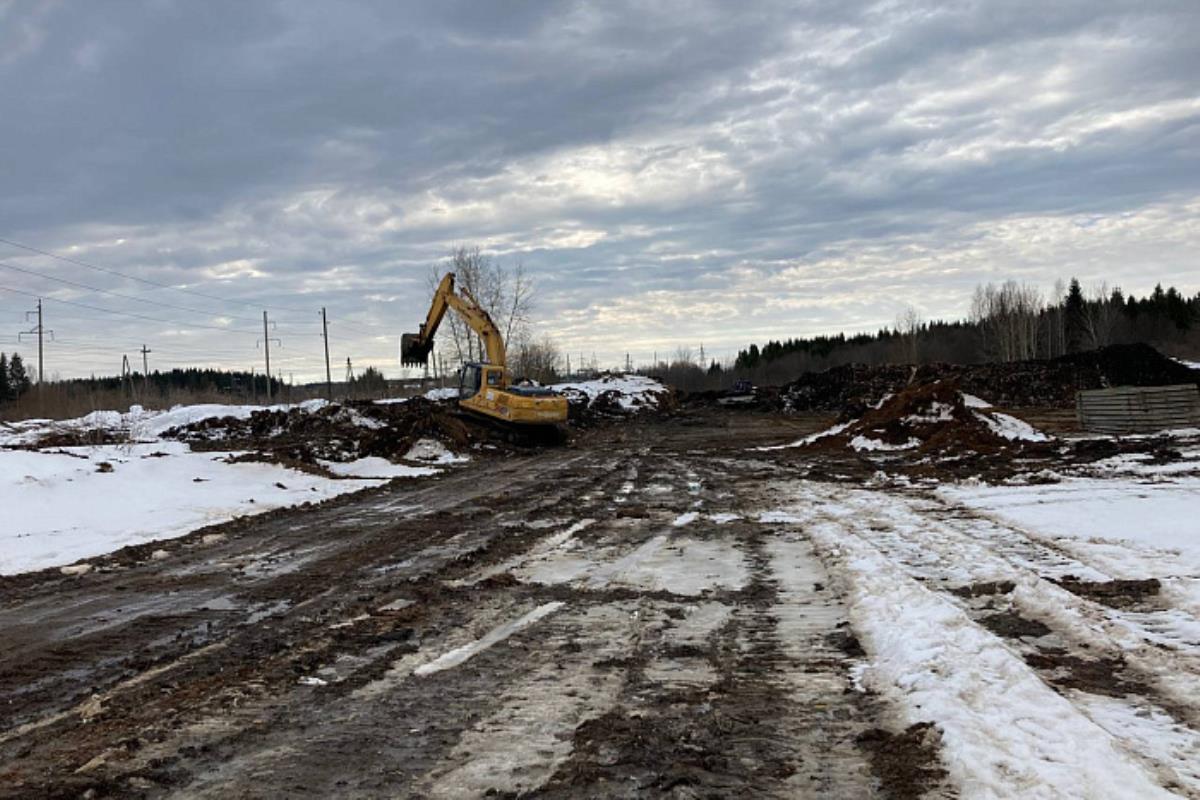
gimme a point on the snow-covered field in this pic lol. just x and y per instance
(1135, 527)
(77, 502)
(80, 502)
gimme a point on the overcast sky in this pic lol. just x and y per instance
(672, 174)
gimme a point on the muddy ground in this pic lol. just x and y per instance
(605, 619)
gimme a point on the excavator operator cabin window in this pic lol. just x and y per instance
(493, 377)
(469, 384)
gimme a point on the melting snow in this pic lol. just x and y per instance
(1012, 428)
(862, 443)
(633, 391)
(808, 439)
(434, 452)
(1005, 732)
(498, 634)
(376, 467)
(61, 508)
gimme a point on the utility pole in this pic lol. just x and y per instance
(267, 352)
(628, 363)
(145, 372)
(328, 374)
(266, 342)
(37, 330)
(126, 376)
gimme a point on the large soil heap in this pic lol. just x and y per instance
(335, 432)
(852, 388)
(933, 419)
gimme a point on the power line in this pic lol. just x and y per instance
(128, 313)
(125, 275)
(98, 290)
(161, 285)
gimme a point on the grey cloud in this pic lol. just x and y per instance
(617, 149)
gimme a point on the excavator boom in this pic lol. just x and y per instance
(415, 347)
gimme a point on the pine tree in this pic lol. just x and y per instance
(1074, 322)
(5, 389)
(18, 379)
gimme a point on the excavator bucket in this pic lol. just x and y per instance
(414, 349)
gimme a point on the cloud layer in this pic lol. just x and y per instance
(672, 174)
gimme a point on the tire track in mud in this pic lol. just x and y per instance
(709, 648)
(1009, 583)
(736, 691)
(256, 660)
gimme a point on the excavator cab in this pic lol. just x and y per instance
(475, 377)
(469, 381)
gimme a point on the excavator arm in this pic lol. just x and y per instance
(415, 347)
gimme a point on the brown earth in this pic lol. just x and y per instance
(273, 655)
(536, 624)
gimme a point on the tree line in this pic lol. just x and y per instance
(1007, 322)
(14, 378)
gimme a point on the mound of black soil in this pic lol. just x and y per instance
(851, 389)
(336, 432)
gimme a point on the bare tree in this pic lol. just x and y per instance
(1055, 335)
(506, 294)
(1100, 317)
(1007, 316)
(909, 324)
(537, 360)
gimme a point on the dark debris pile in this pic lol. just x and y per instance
(337, 432)
(851, 389)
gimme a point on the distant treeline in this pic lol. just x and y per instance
(1008, 322)
(192, 379)
(20, 398)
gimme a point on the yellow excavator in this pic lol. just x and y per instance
(484, 388)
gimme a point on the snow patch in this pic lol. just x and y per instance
(1012, 428)
(862, 443)
(61, 508)
(433, 452)
(836, 429)
(498, 634)
(1005, 733)
(376, 467)
(630, 392)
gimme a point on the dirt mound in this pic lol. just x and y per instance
(335, 432)
(933, 418)
(852, 388)
(613, 397)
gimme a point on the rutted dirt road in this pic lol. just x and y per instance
(617, 618)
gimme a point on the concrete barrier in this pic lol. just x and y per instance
(1138, 409)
